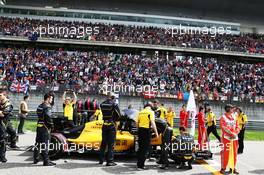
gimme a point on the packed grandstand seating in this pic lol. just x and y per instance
(86, 70)
(246, 43)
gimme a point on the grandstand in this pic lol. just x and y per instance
(195, 66)
(128, 30)
(235, 11)
(130, 48)
(171, 73)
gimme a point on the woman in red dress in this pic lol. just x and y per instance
(202, 137)
(184, 117)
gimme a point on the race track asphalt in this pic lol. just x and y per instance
(20, 163)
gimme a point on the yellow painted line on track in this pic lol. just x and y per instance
(205, 165)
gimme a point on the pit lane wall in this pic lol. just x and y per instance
(255, 111)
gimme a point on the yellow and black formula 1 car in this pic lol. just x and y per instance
(87, 138)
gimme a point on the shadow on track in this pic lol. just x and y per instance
(260, 171)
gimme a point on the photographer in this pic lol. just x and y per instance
(6, 109)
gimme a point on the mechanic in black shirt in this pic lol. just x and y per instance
(111, 113)
(44, 127)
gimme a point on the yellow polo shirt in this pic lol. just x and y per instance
(68, 110)
(242, 120)
(145, 116)
(211, 119)
(170, 118)
(163, 112)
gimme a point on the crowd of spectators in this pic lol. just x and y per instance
(246, 43)
(172, 73)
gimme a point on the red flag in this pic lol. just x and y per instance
(180, 96)
(148, 94)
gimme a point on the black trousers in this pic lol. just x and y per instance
(2, 140)
(108, 140)
(12, 134)
(21, 124)
(241, 140)
(165, 147)
(144, 137)
(212, 129)
(6, 128)
(42, 144)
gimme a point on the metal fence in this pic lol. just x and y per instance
(257, 125)
(172, 93)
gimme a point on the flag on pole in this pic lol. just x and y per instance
(192, 110)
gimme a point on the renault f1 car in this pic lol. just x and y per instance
(87, 138)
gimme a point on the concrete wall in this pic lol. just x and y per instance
(254, 111)
(252, 28)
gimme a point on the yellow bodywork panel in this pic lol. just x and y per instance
(92, 136)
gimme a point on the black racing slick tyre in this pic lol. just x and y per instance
(55, 148)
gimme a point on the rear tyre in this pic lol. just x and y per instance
(56, 148)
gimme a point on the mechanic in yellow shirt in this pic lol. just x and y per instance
(170, 116)
(145, 121)
(211, 123)
(162, 112)
(68, 108)
(242, 120)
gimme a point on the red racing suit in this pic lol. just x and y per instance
(230, 129)
(184, 119)
(202, 136)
